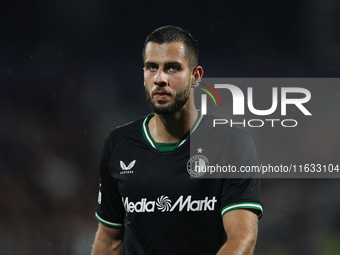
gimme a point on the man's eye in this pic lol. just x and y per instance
(173, 68)
(151, 67)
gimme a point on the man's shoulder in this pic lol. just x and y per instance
(223, 137)
(128, 127)
(122, 132)
(218, 127)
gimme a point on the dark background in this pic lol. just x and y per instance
(70, 71)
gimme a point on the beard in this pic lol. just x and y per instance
(179, 101)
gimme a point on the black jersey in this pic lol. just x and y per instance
(151, 194)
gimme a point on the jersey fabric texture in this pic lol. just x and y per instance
(147, 191)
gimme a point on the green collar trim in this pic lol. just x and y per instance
(167, 146)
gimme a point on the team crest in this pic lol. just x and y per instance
(197, 165)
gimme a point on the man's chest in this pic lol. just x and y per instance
(150, 181)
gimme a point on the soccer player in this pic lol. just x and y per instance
(148, 203)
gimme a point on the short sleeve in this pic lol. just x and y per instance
(242, 193)
(110, 210)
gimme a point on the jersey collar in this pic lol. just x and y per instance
(161, 146)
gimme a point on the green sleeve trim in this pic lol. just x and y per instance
(243, 205)
(107, 223)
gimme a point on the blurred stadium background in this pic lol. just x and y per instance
(70, 71)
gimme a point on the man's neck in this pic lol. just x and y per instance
(170, 128)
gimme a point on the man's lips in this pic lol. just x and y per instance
(161, 95)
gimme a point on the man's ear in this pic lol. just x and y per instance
(197, 74)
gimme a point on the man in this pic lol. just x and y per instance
(147, 203)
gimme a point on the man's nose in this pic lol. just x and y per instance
(160, 78)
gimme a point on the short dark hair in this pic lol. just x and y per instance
(168, 34)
